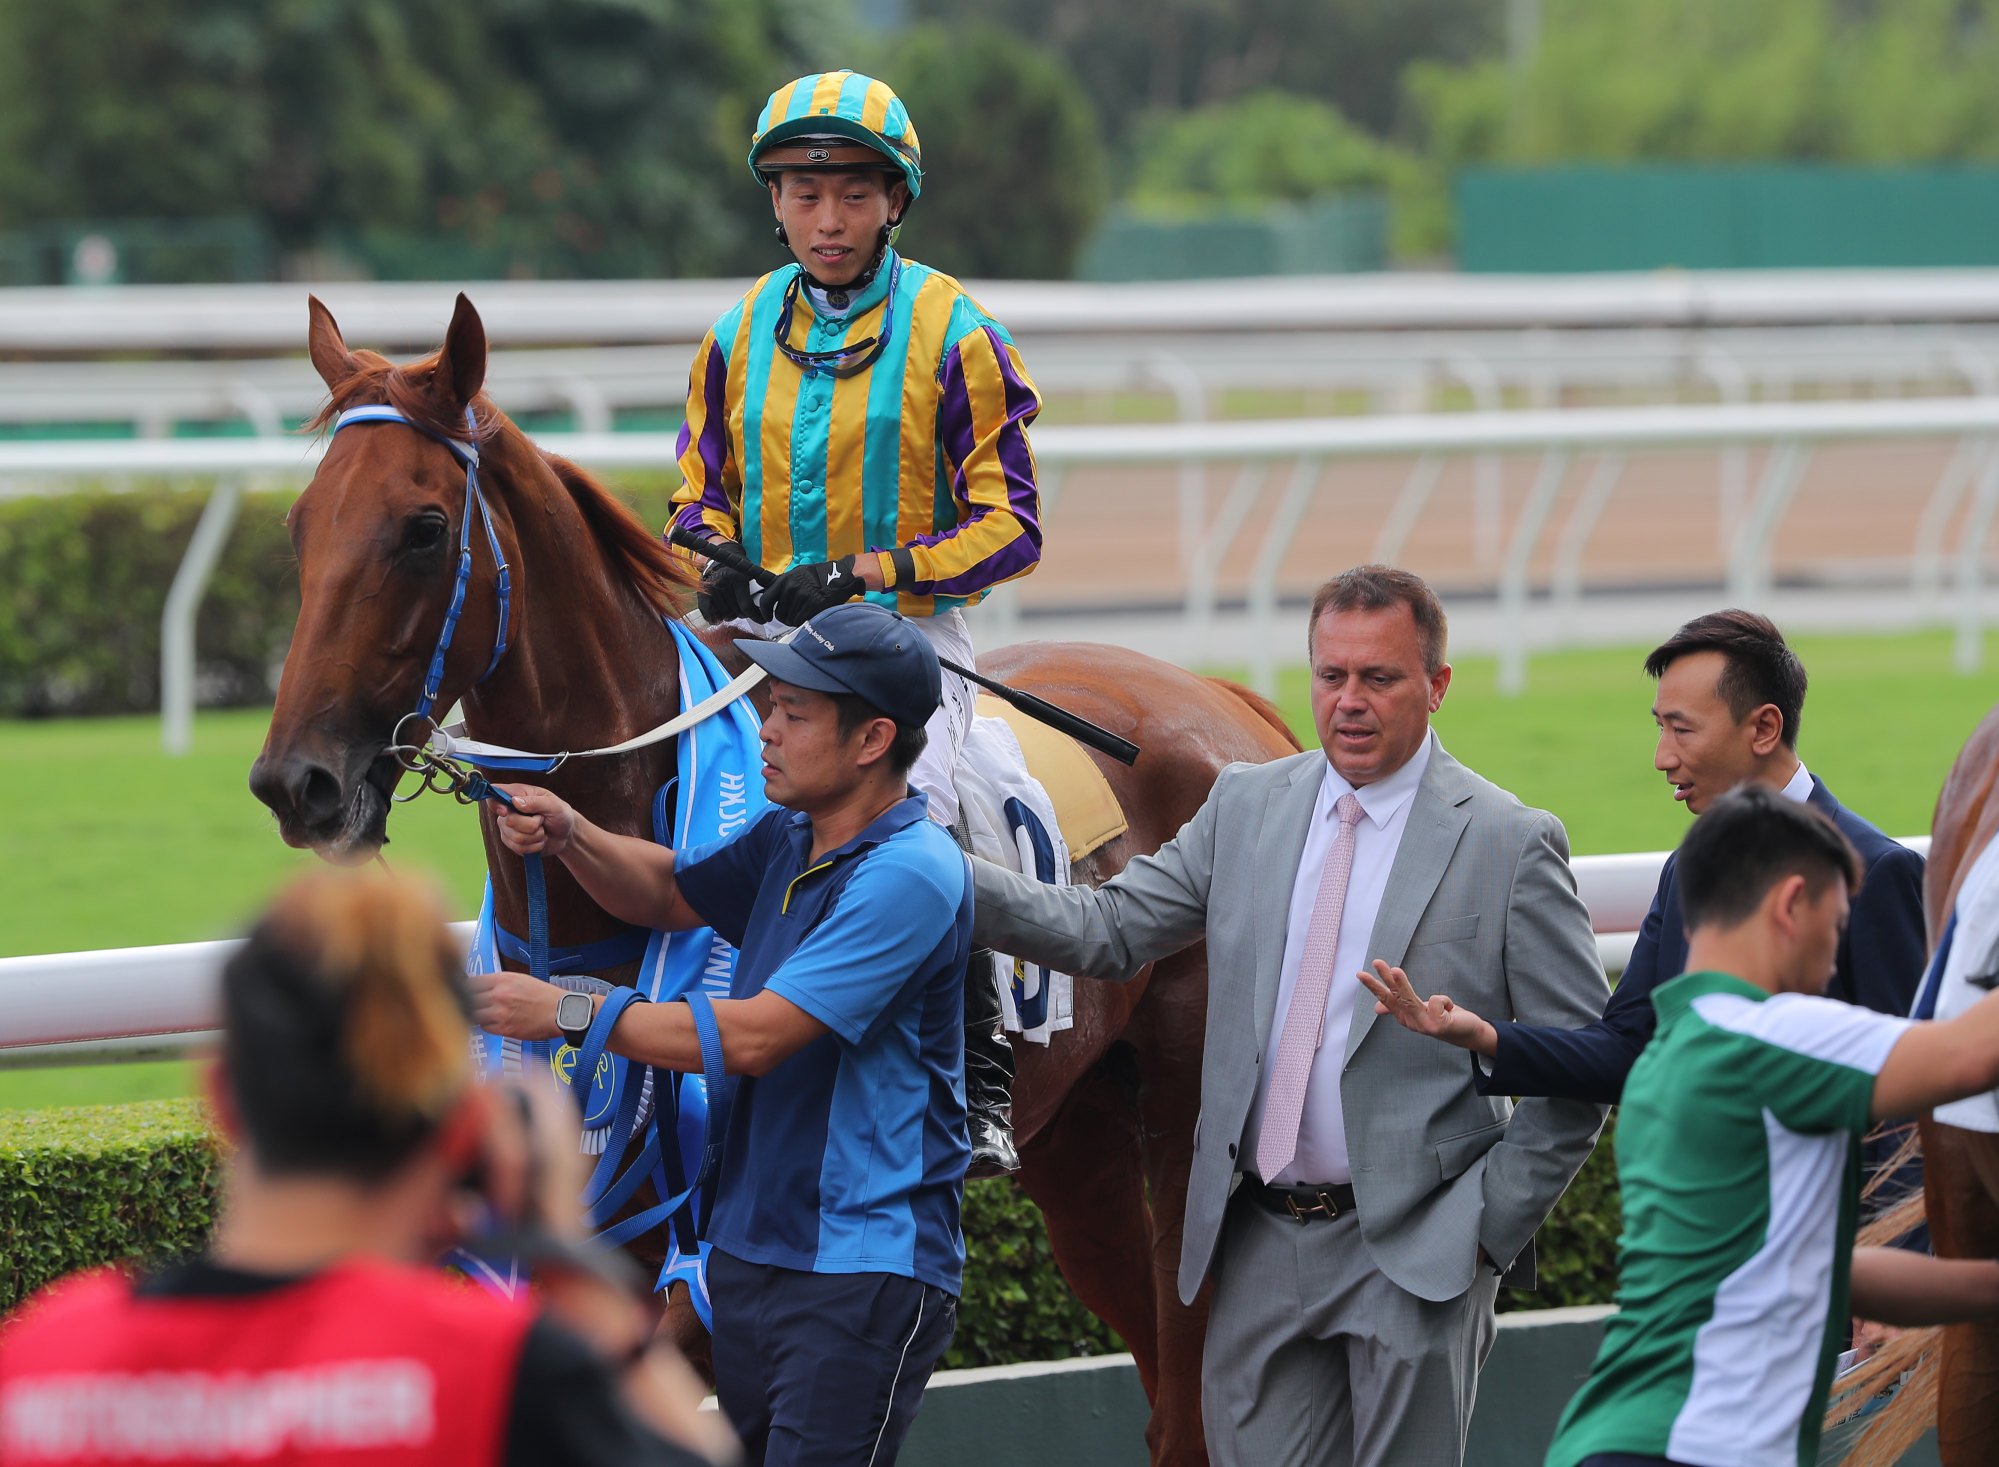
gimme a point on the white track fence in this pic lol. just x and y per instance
(161, 1002)
(1966, 494)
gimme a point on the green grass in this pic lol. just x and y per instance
(108, 843)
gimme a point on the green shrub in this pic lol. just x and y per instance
(1016, 1306)
(1267, 147)
(1577, 1245)
(101, 1184)
(84, 576)
(114, 1183)
(111, 1183)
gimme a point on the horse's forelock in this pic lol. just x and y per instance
(411, 391)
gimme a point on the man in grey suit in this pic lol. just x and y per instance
(1353, 1196)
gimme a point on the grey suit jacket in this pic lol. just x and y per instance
(1480, 905)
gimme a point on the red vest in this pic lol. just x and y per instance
(367, 1362)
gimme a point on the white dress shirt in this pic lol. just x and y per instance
(1322, 1137)
(1799, 787)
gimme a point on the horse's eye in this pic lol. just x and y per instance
(426, 531)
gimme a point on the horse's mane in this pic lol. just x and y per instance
(662, 577)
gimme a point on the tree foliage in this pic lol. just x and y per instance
(1177, 54)
(1268, 146)
(1014, 170)
(1874, 81)
(594, 137)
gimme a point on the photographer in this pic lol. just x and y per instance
(313, 1330)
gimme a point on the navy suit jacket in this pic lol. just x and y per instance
(1880, 964)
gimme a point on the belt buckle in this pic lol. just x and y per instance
(1325, 1205)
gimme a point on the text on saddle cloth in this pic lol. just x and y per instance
(1033, 801)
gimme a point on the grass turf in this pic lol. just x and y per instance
(109, 843)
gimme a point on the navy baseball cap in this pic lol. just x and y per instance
(863, 649)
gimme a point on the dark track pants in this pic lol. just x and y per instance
(823, 1370)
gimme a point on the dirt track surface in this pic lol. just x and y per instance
(1113, 536)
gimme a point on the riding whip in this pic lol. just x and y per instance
(1040, 709)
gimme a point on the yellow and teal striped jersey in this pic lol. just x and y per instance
(922, 458)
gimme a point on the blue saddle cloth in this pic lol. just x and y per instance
(715, 794)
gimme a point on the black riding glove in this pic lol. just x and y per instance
(804, 591)
(726, 595)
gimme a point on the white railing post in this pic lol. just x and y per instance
(1407, 509)
(204, 548)
(1212, 547)
(1190, 403)
(1263, 589)
(1749, 560)
(1731, 384)
(1969, 651)
(1513, 576)
(1489, 473)
(1566, 588)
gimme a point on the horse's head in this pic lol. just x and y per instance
(376, 533)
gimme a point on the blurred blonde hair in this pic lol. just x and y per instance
(347, 1030)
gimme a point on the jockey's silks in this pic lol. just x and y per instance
(366, 1361)
(927, 448)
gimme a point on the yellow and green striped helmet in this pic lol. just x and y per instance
(839, 105)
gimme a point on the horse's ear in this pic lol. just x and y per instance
(327, 348)
(461, 365)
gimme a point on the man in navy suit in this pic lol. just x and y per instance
(1731, 693)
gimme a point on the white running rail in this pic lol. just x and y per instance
(160, 1002)
(1791, 429)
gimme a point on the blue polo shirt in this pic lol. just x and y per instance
(850, 1156)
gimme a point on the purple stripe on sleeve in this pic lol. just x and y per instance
(1009, 450)
(704, 466)
(715, 419)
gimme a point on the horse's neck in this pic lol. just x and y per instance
(590, 664)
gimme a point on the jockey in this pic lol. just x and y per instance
(858, 423)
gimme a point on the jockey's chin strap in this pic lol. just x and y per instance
(466, 451)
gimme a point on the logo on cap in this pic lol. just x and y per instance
(818, 636)
(817, 155)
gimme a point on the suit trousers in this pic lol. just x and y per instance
(1314, 1357)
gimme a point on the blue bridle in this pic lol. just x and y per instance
(466, 451)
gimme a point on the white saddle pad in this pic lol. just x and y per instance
(992, 770)
(1968, 975)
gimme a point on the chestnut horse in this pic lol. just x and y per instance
(1961, 1167)
(1105, 1114)
(1950, 1374)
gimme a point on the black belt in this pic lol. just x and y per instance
(1303, 1204)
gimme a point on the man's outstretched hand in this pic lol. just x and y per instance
(1437, 1017)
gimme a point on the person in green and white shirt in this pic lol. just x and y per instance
(1738, 1150)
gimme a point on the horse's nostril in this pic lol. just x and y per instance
(316, 795)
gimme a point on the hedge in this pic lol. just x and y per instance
(84, 577)
(98, 1184)
(137, 1182)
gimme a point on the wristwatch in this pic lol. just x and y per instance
(573, 1013)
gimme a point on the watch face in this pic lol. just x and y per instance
(573, 1012)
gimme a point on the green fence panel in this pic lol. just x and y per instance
(1600, 217)
(1325, 236)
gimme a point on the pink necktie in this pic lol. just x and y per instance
(1305, 1022)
